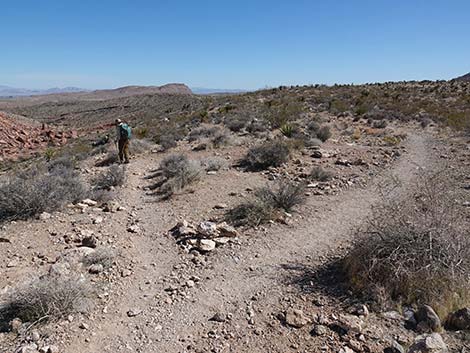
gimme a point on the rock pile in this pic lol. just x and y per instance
(204, 237)
(18, 139)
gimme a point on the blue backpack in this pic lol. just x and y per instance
(125, 131)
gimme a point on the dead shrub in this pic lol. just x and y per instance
(114, 176)
(38, 190)
(46, 298)
(415, 249)
(268, 154)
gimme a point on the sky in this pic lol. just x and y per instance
(245, 44)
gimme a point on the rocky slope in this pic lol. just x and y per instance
(464, 78)
(20, 137)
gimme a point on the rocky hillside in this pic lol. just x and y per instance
(465, 78)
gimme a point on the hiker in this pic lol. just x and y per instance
(123, 135)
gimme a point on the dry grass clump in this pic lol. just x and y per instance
(268, 154)
(284, 195)
(114, 176)
(46, 298)
(267, 203)
(320, 174)
(178, 172)
(415, 250)
(38, 190)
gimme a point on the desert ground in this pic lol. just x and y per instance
(295, 219)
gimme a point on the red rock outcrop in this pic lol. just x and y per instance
(20, 139)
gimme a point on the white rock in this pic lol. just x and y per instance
(205, 245)
(207, 229)
(432, 343)
(89, 202)
(44, 216)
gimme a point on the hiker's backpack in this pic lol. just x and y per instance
(125, 131)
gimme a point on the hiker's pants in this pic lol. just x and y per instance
(123, 145)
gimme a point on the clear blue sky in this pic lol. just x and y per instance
(230, 44)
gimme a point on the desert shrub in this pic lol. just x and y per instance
(65, 161)
(258, 126)
(313, 127)
(284, 195)
(171, 164)
(178, 172)
(213, 163)
(266, 204)
(414, 250)
(250, 213)
(324, 133)
(221, 138)
(46, 298)
(320, 174)
(288, 130)
(114, 176)
(168, 140)
(110, 159)
(312, 142)
(380, 124)
(141, 132)
(100, 256)
(235, 124)
(139, 146)
(38, 190)
(268, 154)
(203, 132)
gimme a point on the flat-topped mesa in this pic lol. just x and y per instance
(170, 88)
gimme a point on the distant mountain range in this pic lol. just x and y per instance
(6, 91)
(202, 90)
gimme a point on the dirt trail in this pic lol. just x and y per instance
(235, 278)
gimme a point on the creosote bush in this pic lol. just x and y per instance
(269, 154)
(178, 172)
(415, 250)
(46, 298)
(38, 190)
(267, 204)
